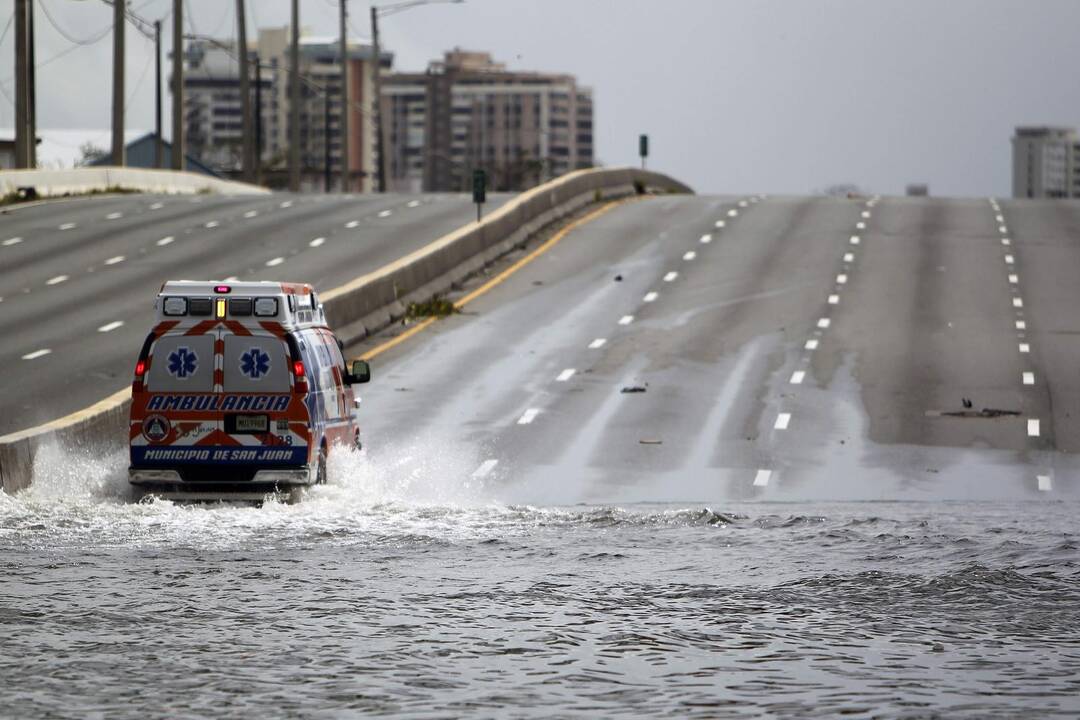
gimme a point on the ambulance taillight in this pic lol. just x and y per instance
(299, 378)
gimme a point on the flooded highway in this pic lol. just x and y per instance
(408, 588)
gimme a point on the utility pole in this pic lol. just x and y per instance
(294, 100)
(258, 120)
(118, 84)
(346, 100)
(31, 90)
(326, 141)
(22, 126)
(377, 85)
(159, 149)
(245, 94)
(178, 86)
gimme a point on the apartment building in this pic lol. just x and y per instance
(213, 115)
(1046, 162)
(468, 111)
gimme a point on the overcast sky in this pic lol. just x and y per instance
(780, 96)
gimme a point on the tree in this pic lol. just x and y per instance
(91, 153)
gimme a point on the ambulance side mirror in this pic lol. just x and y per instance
(360, 372)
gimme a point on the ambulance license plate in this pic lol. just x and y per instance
(252, 423)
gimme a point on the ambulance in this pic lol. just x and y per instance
(240, 389)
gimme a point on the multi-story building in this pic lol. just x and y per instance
(468, 112)
(1045, 162)
(213, 115)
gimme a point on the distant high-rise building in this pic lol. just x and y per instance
(1045, 162)
(213, 116)
(468, 112)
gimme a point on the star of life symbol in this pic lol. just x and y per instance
(255, 363)
(182, 363)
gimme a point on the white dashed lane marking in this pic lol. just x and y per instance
(834, 299)
(1018, 303)
(1028, 378)
(56, 280)
(565, 375)
(671, 276)
(855, 240)
(849, 257)
(811, 345)
(860, 226)
(706, 239)
(1021, 325)
(1025, 348)
(762, 478)
(650, 297)
(720, 223)
(157, 206)
(485, 468)
(351, 224)
(782, 421)
(689, 256)
(823, 323)
(275, 262)
(866, 214)
(528, 416)
(1045, 485)
(114, 216)
(36, 354)
(413, 203)
(115, 259)
(841, 279)
(165, 241)
(1014, 279)
(109, 327)
(317, 242)
(286, 204)
(597, 343)
(11, 241)
(732, 213)
(797, 377)
(250, 214)
(1003, 229)
(1006, 241)
(1033, 427)
(386, 213)
(626, 319)
(1009, 259)
(67, 226)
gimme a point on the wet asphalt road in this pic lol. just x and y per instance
(804, 338)
(78, 278)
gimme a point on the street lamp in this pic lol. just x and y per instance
(376, 11)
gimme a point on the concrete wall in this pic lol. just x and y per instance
(369, 302)
(50, 183)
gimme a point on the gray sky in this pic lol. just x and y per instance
(780, 96)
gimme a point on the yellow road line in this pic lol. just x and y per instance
(498, 279)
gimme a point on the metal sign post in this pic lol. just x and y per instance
(479, 191)
(643, 149)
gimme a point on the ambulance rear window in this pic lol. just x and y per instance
(200, 307)
(240, 307)
(182, 363)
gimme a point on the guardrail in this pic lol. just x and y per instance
(54, 183)
(370, 302)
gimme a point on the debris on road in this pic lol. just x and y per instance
(635, 388)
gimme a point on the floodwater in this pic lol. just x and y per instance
(402, 590)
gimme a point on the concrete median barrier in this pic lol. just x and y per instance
(368, 303)
(78, 181)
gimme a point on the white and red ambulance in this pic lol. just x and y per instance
(240, 388)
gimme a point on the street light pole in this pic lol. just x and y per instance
(159, 149)
(247, 140)
(118, 84)
(294, 100)
(346, 101)
(380, 168)
(22, 126)
(178, 86)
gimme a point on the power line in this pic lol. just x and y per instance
(7, 27)
(64, 33)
